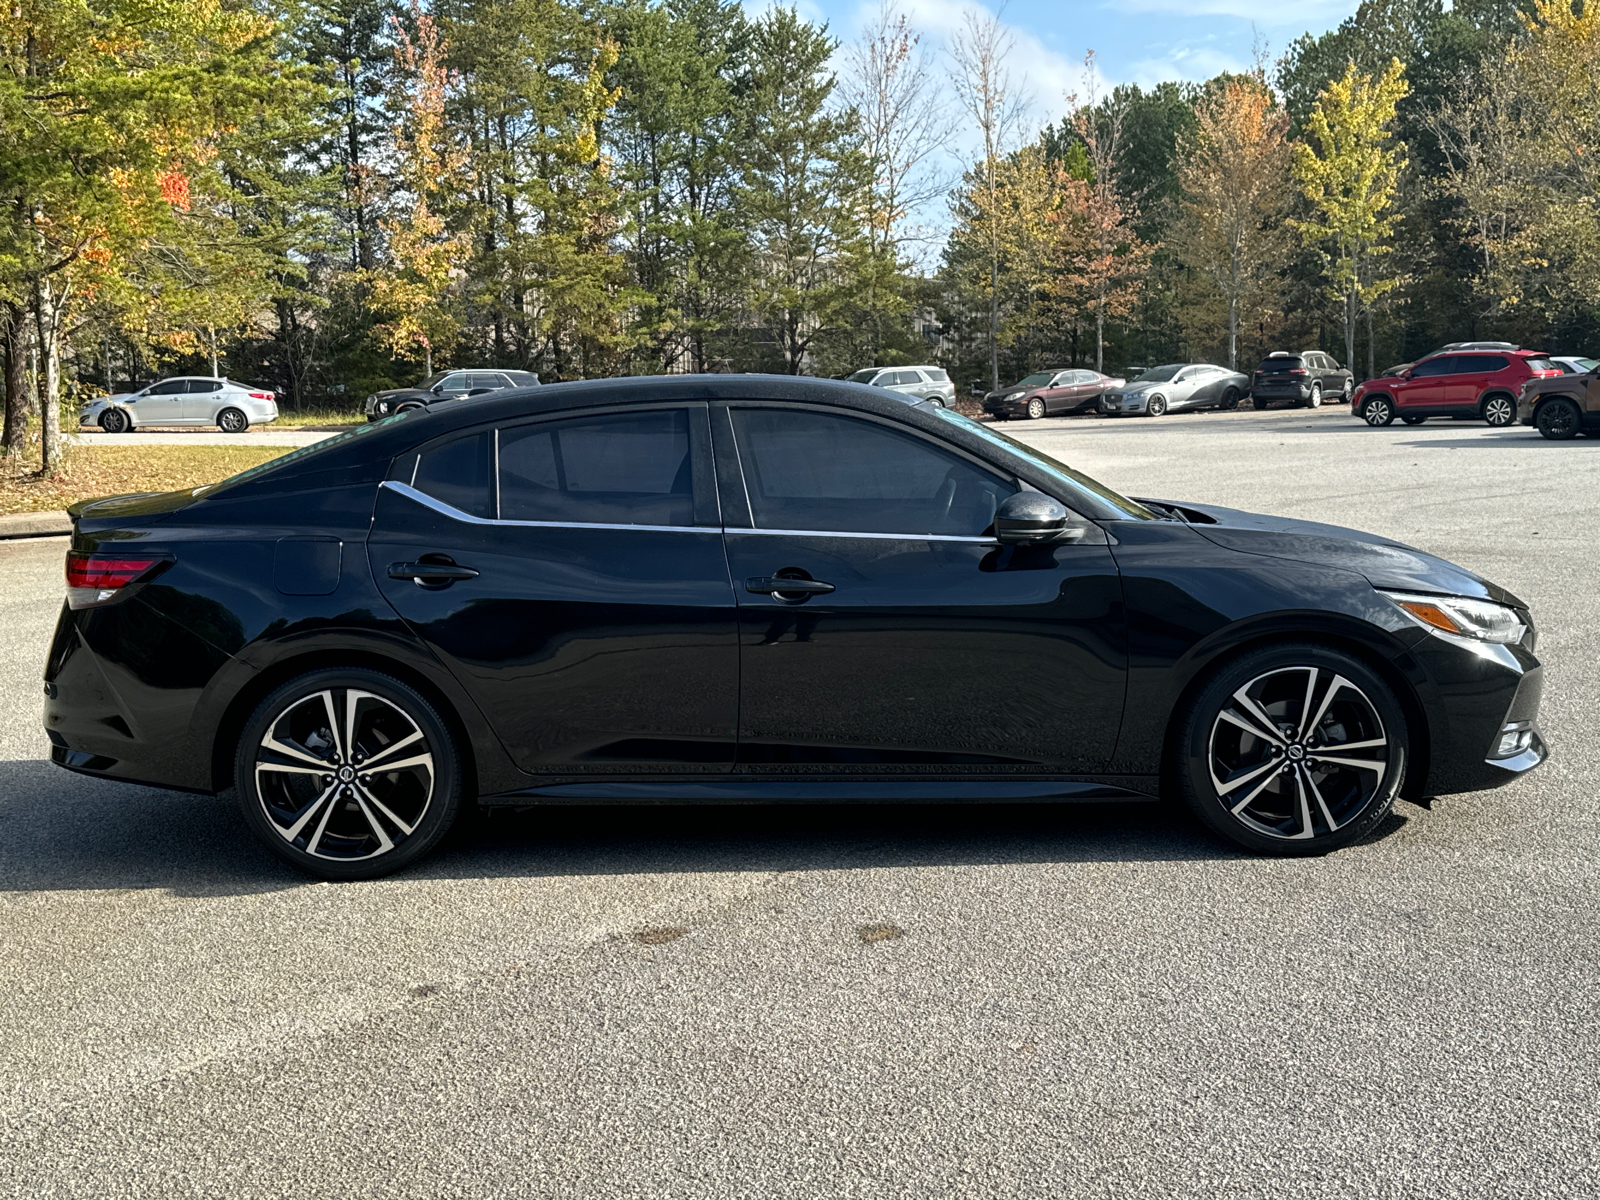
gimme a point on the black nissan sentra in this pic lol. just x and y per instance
(756, 589)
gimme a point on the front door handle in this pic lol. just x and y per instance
(430, 575)
(768, 585)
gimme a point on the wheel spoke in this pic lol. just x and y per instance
(1322, 804)
(322, 827)
(1252, 794)
(1305, 705)
(372, 764)
(1244, 777)
(1339, 681)
(385, 844)
(420, 760)
(294, 752)
(369, 798)
(333, 725)
(1307, 830)
(293, 831)
(1366, 745)
(351, 698)
(1269, 728)
(1358, 764)
(292, 768)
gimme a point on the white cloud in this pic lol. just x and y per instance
(1305, 14)
(1193, 63)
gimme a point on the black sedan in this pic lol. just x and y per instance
(752, 589)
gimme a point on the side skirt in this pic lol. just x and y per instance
(1136, 788)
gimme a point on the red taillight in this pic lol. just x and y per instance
(261, 395)
(1297, 370)
(97, 578)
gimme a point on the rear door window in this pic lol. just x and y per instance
(200, 386)
(458, 473)
(808, 470)
(173, 387)
(486, 381)
(617, 469)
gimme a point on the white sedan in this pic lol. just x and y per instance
(187, 400)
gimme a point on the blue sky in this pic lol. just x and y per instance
(1136, 41)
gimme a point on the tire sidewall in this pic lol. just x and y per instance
(222, 419)
(1374, 402)
(1156, 406)
(1547, 410)
(442, 809)
(1493, 424)
(115, 421)
(1033, 404)
(1191, 746)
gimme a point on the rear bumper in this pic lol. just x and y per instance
(1281, 391)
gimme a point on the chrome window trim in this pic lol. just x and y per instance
(455, 514)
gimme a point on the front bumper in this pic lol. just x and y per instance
(1122, 404)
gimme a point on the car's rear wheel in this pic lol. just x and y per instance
(1260, 403)
(1499, 411)
(1315, 399)
(232, 420)
(1558, 420)
(936, 401)
(1295, 749)
(1378, 410)
(347, 773)
(1155, 406)
(1230, 400)
(1035, 408)
(114, 420)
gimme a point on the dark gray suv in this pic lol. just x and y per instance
(446, 385)
(1304, 378)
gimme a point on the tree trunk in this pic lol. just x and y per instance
(1372, 350)
(1233, 333)
(211, 334)
(994, 325)
(47, 324)
(1350, 326)
(1100, 339)
(13, 361)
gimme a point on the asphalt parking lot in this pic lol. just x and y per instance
(849, 1002)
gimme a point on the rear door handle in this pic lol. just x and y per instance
(767, 585)
(426, 574)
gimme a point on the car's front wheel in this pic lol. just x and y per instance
(1294, 749)
(232, 420)
(1035, 408)
(1378, 411)
(347, 773)
(1499, 411)
(114, 420)
(1558, 420)
(1156, 406)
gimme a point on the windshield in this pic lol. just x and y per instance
(1037, 378)
(340, 439)
(866, 376)
(1074, 482)
(1160, 374)
(1584, 364)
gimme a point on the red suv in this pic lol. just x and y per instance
(1460, 383)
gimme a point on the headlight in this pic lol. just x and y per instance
(1459, 616)
(383, 406)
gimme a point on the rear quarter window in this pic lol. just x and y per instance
(1483, 364)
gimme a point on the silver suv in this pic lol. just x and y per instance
(923, 383)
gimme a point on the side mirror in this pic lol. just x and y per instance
(1029, 518)
(481, 391)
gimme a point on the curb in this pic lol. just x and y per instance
(37, 524)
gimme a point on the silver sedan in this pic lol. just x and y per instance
(1177, 386)
(186, 400)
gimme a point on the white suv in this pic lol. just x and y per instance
(924, 383)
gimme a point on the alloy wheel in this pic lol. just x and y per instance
(1036, 408)
(114, 420)
(1298, 753)
(231, 420)
(1316, 396)
(1377, 412)
(1499, 412)
(1156, 406)
(1558, 420)
(344, 775)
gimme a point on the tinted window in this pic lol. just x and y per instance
(1480, 364)
(908, 378)
(458, 474)
(809, 470)
(935, 374)
(485, 381)
(1285, 363)
(172, 387)
(1434, 366)
(204, 385)
(621, 469)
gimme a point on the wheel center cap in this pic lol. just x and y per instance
(1296, 751)
(346, 774)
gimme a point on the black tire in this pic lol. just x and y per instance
(1349, 386)
(412, 407)
(1558, 420)
(1270, 790)
(232, 420)
(1499, 411)
(1156, 406)
(936, 401)
(346, 824)
(1260, 404)
(1035, 409)
(1230, 400)
(114, 420)
(1377, 411)
(1413, 420)
(1315, 399)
